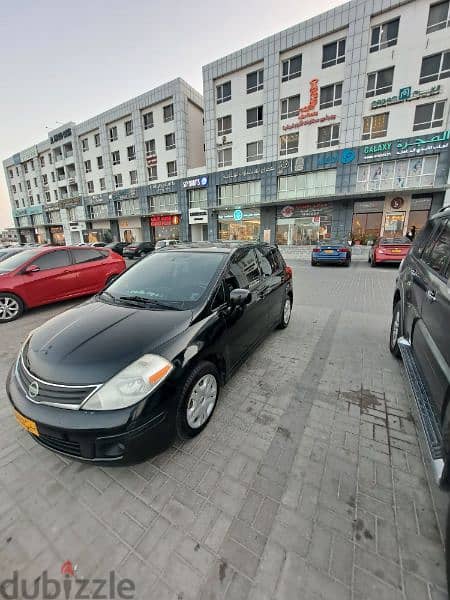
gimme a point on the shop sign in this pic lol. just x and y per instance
(405, 95)
(70, 202)
(197, 182)
(229, 215)
(308, 115)
(152, 160)
(20, 212)
(164, 220)
(238, 214)
(95, 200)
(397, 203)
(124, 195)
(345, 157)
(61, 135)
(252, 171)
(430, 144)
(28, 154)
(34, 210)
(16, 158)
(311, 209)
(197, 215)
(162, 188)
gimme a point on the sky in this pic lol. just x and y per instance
(68, 61)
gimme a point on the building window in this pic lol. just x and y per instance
(414, 173)
(438, 17)
(291, 68)
(224, 157)
(50, 160)
(35, 182)
(115, 157)
(87, 166)
(328, 136)
(254, 151)
(25, 167)
(131, 153)
(118, 183)
(290, 106)
(148, 120)
(47, 196)
(38, 198)
(97, 140)
(380, 82)
(32, 164)
(434, 67)
(429, 115)
(168, 114)
(128, 127)
(90, 187)
(45, 179)
(224, 125)
(198, 198)
(13, 187)
(172, 168)
(289, 143)
(117, 208)
(254, 117)
(333, 54)
(28, 184)
(90, 212)
(248, 192)
(152, 173)
(223, 92)
(20, 186)
(375, 126)
(163, 203)
(42, 161)
(113, 134)
(331, 95)
(318, 183)
(150, 147)
(31, 200)
(11, 173)
(384, 35)
(255, 81)
(99, 162)
(55, 193)
(102, 184)
(170, 141)
(53, 177)
(133, 177)
(84, 145)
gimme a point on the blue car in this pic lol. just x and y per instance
(331, 252)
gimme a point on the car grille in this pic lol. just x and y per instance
(51, 393)
(60, 445)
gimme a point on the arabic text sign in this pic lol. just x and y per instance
(430, 144)
(405, 95)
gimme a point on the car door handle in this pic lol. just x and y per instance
(431, 296)
(415, 273)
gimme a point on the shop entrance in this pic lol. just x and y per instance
(239, 230)
(305, 231)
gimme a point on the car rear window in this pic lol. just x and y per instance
(83, 255)
(399, 241)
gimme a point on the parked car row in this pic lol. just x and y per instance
(114, 379)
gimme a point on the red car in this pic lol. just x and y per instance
(389, 250)
(44, 275)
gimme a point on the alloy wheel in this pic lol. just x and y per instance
(9, 308)
(287, 311)
(202, 401)
(395, 328)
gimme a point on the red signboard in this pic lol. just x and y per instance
(152, 160)
(164, 220)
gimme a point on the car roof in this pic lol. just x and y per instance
(221, 247)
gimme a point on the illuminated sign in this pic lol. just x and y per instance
(406, 95)
(238, 214)
(307, 115)
(164, 220)
(345, 157)
(197, 182)
(430, 144)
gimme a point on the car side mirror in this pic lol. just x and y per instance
(240, 297)
(31, 269)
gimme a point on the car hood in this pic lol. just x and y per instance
(92, 342)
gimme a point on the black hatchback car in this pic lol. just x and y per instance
(117, 247)
(114, 379)
(138, 249)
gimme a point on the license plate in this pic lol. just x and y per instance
(329, 251)
(395, 251)
(27, 424)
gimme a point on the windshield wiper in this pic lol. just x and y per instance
(147, 301)
(110, 296)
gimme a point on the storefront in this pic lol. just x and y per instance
(98, 231)
(130, 230)
(304, 224)
(239, 224)
(197, 201)
(57, 237)
(165, 227)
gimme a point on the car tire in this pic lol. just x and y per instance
(373, 263)
(285, 313)
(198, 389)
(313, 263)
(348, 263)
(11, 307)
(394, 332)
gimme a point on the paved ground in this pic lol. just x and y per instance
(308, 482)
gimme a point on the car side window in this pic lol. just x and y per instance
(53, 260)
(82, 256)
(264, 263)
(244, 269)
(437, 253)
(422, 239)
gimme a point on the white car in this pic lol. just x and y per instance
(164, 243)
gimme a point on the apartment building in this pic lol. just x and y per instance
(336, 127)
(115, 176)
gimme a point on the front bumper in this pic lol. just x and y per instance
(116, 436)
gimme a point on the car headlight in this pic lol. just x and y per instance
(130, 385)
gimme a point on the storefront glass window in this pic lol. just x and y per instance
(409, 173)
(248, 192)
(300, 232)
(418, 218)
(394, 224)
(163, 203)
(239, 230)
(130, 207)
(197, 198)
(318, 183)
(366, 227)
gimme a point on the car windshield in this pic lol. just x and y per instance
(168, 280)
(399, 241)
(11, 263)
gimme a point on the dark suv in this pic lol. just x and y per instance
(420, 332)
(138, 249)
